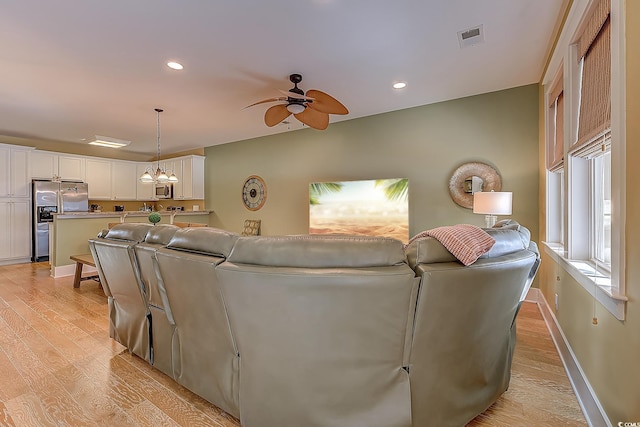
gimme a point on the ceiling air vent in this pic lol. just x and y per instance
(471, 36)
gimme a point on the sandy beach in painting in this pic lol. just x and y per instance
(381, 218)
(385, 227)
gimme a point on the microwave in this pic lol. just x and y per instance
(164, 191)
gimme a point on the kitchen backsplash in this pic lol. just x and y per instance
(109, 206)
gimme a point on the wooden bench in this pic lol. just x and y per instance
(81, 260)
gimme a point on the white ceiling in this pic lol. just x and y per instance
(71, 69)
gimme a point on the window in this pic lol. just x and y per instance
(555, 120)
(585, 194)
(593, 140)
(555, 160)
(600, 217)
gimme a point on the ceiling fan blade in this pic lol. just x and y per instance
(313, 118)
(325, 103)
(281, 98)
(295, 95)
(276, 114)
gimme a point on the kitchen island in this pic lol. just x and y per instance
(69, 233)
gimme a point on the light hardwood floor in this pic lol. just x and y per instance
(58, 367)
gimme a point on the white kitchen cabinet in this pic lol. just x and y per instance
(144, 191)
(166, 165)
(99, 178)
(72, 167)
(178, 187)
(111, 179)
(15, 176)
(191, 185)
(44, 164)
(123, 180)
(15, 223)
(169, 166)
(50, 165)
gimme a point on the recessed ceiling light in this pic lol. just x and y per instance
(400, 85)
(175, 65)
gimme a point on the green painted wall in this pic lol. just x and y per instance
(71, 237)
(608, 352)
(425, 144)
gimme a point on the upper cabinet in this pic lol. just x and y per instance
(15, 176)
(144, 191)
(50, 165)
(72, 167)
(190, 172)
(111, 179)
(99, 178)
(44, 164)
(124, 180)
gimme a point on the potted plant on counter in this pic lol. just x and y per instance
(154, 218)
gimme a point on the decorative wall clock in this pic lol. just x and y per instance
(254, 193)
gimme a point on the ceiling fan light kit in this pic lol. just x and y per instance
(311, 108)
(295, 108)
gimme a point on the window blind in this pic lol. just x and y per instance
(594, 47)
(597, 146)
(555, 143)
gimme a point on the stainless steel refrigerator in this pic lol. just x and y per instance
(49, 198)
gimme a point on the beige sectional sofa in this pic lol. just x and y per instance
(319, 330)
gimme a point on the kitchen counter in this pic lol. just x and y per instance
(125, 214)
(70, 232)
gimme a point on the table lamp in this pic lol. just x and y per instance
(492, 203)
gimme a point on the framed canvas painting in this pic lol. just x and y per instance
(377, 207)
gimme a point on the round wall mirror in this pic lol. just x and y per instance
(470, 178)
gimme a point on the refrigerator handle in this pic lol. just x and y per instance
(59, 201)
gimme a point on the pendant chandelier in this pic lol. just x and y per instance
(160, 175)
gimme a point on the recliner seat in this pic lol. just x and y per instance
(162, 323)
(204, 354)
(128, 308)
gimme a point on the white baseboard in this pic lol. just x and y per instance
(533, 295)
(15, 261)
(70, 270)
(591, 407)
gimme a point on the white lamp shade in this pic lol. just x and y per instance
(492, 202)
(162, 178)
(146, 178)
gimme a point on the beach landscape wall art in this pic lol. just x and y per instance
(376, 207)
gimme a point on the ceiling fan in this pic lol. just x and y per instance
(312, 108)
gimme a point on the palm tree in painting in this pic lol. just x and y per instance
(394, 189)
(317, 189)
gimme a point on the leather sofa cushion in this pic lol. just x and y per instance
(427, 250)
(203, 240)
(509, 238)
(510, 224)
(161, 234)
(316, 251)
(133, 232)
